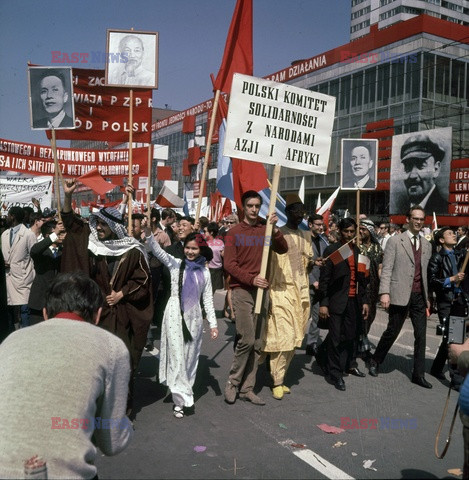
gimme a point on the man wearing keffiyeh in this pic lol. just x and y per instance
(118, 263)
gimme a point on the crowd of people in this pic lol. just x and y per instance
(161, 276)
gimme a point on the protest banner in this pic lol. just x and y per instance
(18, 191)
(38, 160)
(102, 112)
(275, 123)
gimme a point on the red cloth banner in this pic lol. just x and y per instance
(193, 155)
(185, 167)
(38, 160)
(102, 113)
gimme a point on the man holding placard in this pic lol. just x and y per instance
(243, 252)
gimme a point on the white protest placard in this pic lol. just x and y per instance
(18, 191)
(276, 123)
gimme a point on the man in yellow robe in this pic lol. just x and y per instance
(289, 296)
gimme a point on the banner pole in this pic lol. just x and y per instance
(268, 235)
(150, 148)
(358, 218)
(207, 153)
(56, 168)
(131, 119)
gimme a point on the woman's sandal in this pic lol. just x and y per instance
(178, 411)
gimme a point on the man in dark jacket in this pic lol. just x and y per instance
(444, 276)
(343, 305)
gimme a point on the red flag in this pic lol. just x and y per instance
(226, 210)
(247, 176)
(188, 124)
(96, 182)
(237, 57)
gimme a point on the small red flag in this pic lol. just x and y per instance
(96, 182)
(237, 57)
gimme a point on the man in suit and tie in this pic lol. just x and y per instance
(54, 96)
(17, 242)
(404, 291)
(463, 239)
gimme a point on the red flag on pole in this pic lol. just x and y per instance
(96, 182)
(237, 57)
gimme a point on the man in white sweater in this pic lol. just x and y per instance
(64, 386)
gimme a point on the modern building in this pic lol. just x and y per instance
(385, 13)
(410, 75)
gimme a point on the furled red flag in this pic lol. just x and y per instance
(363, 264)
(215, 206)
(237, 57)
(96, 182)
(226, 210)
(341, 254)
(434, 223)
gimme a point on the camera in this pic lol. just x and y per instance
(455, 327)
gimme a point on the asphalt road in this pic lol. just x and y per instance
(282, 440)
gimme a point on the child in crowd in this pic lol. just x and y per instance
(182, 327)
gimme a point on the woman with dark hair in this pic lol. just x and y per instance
(182, 327)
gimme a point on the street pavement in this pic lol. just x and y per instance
(282, 440)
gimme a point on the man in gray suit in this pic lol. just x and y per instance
(404, 291)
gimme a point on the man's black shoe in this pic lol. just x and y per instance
(356, 372)
(340, 384)
(438, 375)
(311, 350)
(421, 382)
(373, 370)
(149, 346)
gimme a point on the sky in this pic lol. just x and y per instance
(192, 37)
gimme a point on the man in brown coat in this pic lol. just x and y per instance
(117, 262)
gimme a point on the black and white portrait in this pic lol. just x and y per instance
(51, 98)
(359, 164)
(420, 167)
(132, 59)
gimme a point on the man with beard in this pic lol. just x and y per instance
(134, 72)
(421, 159)
(288, 313)
(118, 263)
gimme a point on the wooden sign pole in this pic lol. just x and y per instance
(358, 218)
(56, 168)
(150, 156)
(207, 154)
(268, 235)
(131, 119)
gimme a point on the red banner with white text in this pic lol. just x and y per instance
(38, 160)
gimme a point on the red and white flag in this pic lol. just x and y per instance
(168, 199)
(341, 254)
(363, 264)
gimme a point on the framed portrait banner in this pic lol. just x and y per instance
(420, 171)
(51, 102)
(359, 166)
(132, 59)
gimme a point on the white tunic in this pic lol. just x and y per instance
(179, 359)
